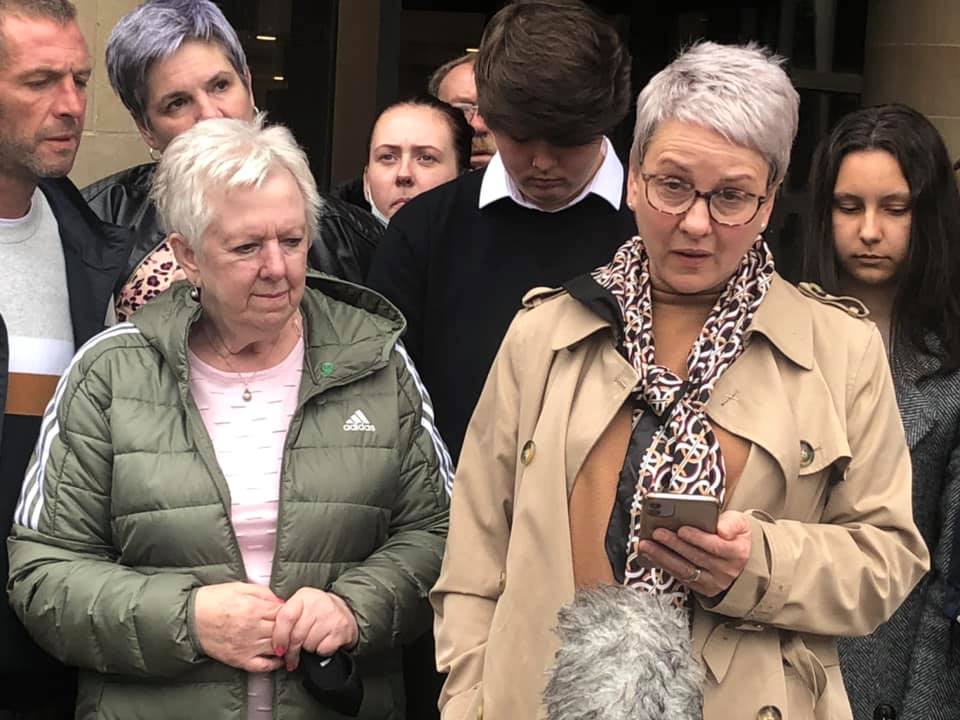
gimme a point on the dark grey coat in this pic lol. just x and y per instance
(910, 663)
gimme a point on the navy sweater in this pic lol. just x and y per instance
(458, 274)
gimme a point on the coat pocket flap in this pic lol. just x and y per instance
(719, 649)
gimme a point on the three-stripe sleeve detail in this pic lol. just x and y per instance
(31, 501)
(428, 423)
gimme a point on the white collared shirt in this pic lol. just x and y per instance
(607, 182)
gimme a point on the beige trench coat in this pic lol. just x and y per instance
(835, 550)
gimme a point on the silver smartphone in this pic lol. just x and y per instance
(673, 511)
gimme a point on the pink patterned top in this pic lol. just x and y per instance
(248, 438)
(158, 271)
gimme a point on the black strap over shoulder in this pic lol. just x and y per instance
(640, 439)
(600, 301)
(618, 529)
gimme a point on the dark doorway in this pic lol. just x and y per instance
(291, 48)
(822, 41)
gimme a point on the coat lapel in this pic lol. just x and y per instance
(606, 387)
(909, 368)
(600, 396)
(762, 398)
(748, 400)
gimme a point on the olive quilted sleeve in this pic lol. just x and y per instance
(65, 584)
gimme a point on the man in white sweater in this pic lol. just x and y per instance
(58, 266)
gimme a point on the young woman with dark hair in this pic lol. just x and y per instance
(886, 230)
(414, 145)
(915, 296)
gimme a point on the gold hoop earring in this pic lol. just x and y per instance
(155, 154)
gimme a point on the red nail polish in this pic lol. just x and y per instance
(280, 651)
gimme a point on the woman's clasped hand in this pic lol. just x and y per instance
(246, 626)
(313, 621)
(235, 625)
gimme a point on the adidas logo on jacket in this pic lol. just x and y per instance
(358, 422)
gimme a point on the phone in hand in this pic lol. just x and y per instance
(673, 511)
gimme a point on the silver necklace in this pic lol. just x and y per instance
(247, 395)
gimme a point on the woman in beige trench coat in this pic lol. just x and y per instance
(686, 365)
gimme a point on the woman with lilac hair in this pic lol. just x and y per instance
(174, 63)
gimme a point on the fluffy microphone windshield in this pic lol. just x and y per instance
(624, 654)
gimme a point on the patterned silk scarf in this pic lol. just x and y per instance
(684, 455)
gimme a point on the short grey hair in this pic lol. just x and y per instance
(739, 91)
(223, 154)
(433, 86)
(625, 654)
(60, 11)
(155, 31)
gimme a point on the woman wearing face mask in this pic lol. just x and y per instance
(886, 222)
(414, 146)
(685, 365)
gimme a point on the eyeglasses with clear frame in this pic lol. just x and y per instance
(730, 207)
(469, 110)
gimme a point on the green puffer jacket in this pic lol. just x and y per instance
(126, 512)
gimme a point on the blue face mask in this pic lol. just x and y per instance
(373, 208)
(379, 215)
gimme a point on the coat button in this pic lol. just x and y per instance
(528, 452)
(806, 453)
(502, 583)
(884, 712)
(769, 712)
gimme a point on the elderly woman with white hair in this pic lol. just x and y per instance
(685, 367)
(174, 63)
(243, 477)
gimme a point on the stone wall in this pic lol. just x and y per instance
(110, 138)
(913, 57)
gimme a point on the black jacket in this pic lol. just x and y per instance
(348, 235)
(458, 273)
(94, 255)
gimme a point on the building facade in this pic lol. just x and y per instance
(324, 67)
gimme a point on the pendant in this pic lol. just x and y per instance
(247, 395)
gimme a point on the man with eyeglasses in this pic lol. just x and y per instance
(454, 83)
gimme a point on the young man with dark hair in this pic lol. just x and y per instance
(548, 207)
(56, 285)
(553, 77)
